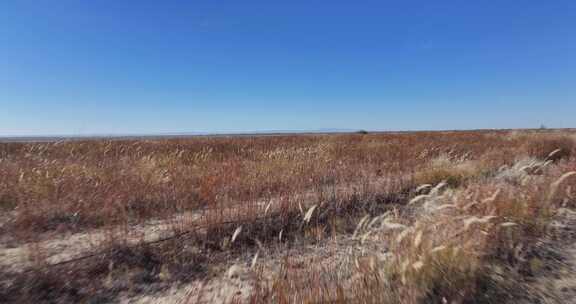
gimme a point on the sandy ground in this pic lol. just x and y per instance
(63, 247)
(554, 279)
(336, 256)
(235, 280)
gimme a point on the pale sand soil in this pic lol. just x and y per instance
(555, 280)
(69, 246)
(335, 257)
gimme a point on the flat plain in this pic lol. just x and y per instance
(411, 217)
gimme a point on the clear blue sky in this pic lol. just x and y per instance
(148, 66)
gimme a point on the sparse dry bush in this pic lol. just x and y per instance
(443, 169)
(552, 148)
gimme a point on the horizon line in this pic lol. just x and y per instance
(53, 137)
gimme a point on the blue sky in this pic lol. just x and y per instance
(116, 67)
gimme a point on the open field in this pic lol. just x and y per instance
(411, 217)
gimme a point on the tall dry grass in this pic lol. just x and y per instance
(294, 190)
(456, 242)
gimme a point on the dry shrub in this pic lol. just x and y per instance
(445, 256)
(445, 170)
(541, 147)
(447, 274)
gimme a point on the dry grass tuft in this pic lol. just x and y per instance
(552, 148)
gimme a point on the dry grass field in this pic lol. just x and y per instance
(421, 217)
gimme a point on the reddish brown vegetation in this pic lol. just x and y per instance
(267, 184)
